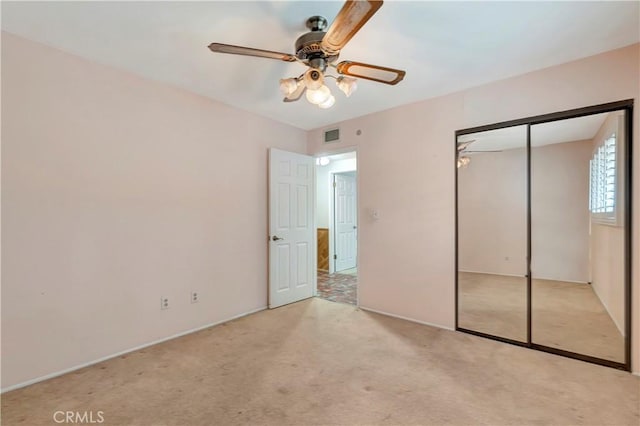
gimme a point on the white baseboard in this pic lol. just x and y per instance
(620, 327)
(126, 351)
(559, 279)
(524, 276)
(636, 373)
(492, 273)
(405, 318)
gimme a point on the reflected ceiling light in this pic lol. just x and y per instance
(347, 84)
(463, 161)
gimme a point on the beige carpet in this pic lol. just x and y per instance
(570, 316)
(565, 315)
(318, 362)
(493, 304)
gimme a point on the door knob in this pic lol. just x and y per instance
(355, 227)
(276, 238)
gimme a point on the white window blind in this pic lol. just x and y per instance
(603, 181)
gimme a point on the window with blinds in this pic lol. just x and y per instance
(603, 181)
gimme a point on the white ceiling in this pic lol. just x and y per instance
(443, 46)
(561, 131)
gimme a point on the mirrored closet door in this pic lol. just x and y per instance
(492, 232)
(543, 244)
(577, 235)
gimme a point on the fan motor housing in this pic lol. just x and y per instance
(308, 45)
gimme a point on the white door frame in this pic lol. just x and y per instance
(332, 224)
(331, 210)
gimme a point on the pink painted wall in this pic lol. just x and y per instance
(492, 212)
(492, 218)
(406, 171)
(116, 191)
(560, 211)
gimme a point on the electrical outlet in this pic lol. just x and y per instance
(164, 303)
(194, 297)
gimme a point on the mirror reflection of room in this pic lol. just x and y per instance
(577, 235)
(492, 232)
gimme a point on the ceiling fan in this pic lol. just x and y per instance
(463, 160)
(318, 50)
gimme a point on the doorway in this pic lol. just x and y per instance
(337, 227)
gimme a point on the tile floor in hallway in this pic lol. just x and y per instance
(338, 287)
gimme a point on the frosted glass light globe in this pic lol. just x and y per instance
(347, 85)
(328, 103)
(288, 86)
(319, 96)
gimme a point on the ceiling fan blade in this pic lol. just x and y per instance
(463, 145)
(248, 51)
(297, 94)
(371, 72)
(353, 15)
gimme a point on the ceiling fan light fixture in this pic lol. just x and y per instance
(328, 103)
(463, 161)
(348, 85)
(322, 161)
(318, 96)
(313, 79)
(318, 50)
(288, 86)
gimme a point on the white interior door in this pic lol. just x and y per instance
(345, 221)
(291, 227)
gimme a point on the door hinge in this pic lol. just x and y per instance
(335, 256)
(334, 184)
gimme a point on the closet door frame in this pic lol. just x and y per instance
(627, 107)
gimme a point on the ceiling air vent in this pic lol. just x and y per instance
(332, 136)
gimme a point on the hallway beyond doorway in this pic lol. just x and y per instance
(338, 287)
